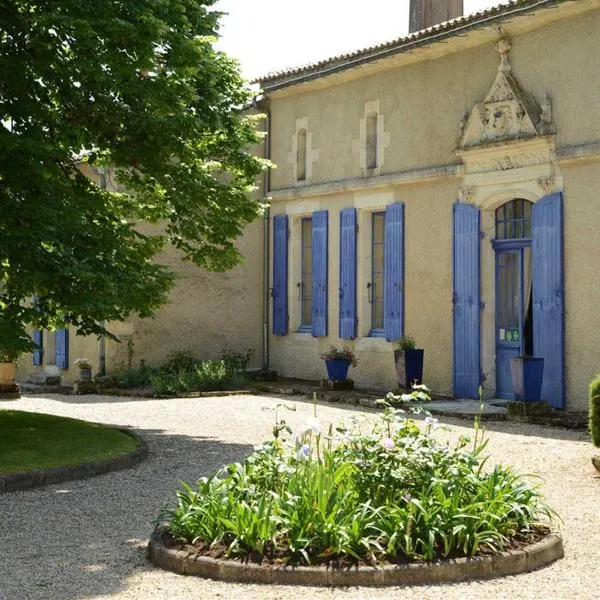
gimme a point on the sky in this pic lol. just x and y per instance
(271, 35)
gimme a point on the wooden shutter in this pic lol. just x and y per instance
(38, 353)
(62, 348)
(319, 273)
(348, 274)
(548, 295)
(466, 301)
(393, 297)
(280, 268)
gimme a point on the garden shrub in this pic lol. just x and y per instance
(395, 493)
(594, 415)
(180, 361)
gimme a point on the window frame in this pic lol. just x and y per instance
(377, 332)
(303, 297)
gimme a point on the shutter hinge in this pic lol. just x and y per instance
(482, 305)
(357, 228)
(482, 235)
(289, 233)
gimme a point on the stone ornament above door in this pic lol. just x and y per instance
(506, 113)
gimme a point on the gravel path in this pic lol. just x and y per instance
(86, 539)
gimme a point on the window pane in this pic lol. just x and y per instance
(378, 287)
(301, 156)
(371, 142)
(378, 227)
(378, 257)
(378, 315)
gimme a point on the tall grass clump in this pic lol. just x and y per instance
(393, 493)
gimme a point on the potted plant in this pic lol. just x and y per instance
(409, 362)
(527, 374)
(338, 362)
(85, 368)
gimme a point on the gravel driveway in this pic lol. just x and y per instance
(86, 539)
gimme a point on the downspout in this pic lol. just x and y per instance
(102, 183)
(266, 238)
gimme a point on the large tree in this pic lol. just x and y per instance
(139, 86)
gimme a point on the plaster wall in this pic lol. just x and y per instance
(206, 312)
(582, 257)
(423, 102)
(428, 286)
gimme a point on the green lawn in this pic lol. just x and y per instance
(31, 441)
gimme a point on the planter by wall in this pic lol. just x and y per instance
(7, 372)
(337, 369)
(409, 367)
(527, 375)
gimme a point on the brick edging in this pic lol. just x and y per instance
(41, 477)
(512, 562)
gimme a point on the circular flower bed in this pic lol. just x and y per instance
(344, 497)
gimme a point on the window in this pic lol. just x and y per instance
(513, 220)
(306, 276)
(371, 141)
(377, 274)
(301, 156)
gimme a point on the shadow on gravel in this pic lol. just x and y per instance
(87, 538)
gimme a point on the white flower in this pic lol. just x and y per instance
(431, 422)
(311, 425)
(388, 443)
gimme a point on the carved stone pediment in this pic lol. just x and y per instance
(506, 113)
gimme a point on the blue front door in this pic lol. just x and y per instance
(513, 311)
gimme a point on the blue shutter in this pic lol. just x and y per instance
(466, 301)
(38, 353)
(348, 274)
(319, 273)
(393, 267)
(62, 348)
(548, 295)
(280, 260)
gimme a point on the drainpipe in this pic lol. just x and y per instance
(262, 104)
(102, 183)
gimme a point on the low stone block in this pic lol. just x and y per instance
(43, 379)
(340, 385)
(84, 386)
(528, 409)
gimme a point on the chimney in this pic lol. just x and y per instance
(426, 13)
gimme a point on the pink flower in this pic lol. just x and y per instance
(388, 443)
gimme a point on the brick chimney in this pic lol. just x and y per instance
(426, 13)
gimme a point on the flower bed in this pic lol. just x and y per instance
(343, 497)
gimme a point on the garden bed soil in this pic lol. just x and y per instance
(332, 561)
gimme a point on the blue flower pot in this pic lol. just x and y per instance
(527, 376)
(337, 369)
(409, 367)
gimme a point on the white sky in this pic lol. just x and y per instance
(269, 35)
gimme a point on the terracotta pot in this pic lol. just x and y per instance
(7, 372)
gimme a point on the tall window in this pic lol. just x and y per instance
(371, 141)
(306, 274)
(301, 155)
(377, 272)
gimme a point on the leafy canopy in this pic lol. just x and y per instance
(137, 86)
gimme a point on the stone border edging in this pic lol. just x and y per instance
(41, 477)
(512, 562)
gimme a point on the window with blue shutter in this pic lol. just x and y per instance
(466, 301)
(394, 272)
(548, 295)
(280, 268)
(38, 353)
(348, 274)
(319, 273)
(62, 348)
(376, 287)
(306, 278)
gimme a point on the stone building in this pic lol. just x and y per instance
(443, 185)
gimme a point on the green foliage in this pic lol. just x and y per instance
(335, 353)
(394, 493)
(179, 361)
(236, 361)
(207, 375)
(127, 93)
(406, 342)
(594, 414)
(136, 378)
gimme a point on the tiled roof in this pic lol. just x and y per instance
(343, 61)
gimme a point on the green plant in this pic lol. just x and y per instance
(136, 378)
(335, 353)
(394, 493)
(406, 342)
(594, 414)
(180, 361)
(236, 361)
(130, 352)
